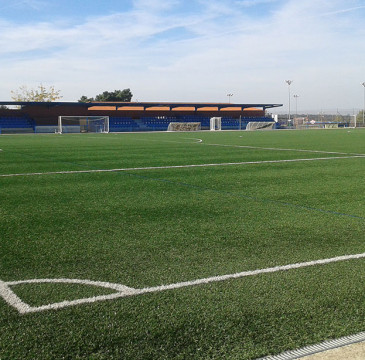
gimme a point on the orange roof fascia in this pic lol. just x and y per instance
(106, 108)
(167, 108)
(158, 108)
(236, 108)
(130, 108)
(208, 108)
(183, 108)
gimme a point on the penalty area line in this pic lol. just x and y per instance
(182, 166)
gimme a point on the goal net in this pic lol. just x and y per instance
(184, 126)
(83, 124)
(260, 125)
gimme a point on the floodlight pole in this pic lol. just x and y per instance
(289, 83)
(363, 110)
(296, 104)
(229, 98)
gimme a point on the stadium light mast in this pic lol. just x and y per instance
(289, 83)
(363, 110)
(229, 98)
(296, 104)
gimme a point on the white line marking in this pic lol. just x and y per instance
(181, 166)
(255, 147)
(197, 140)
(13, 300)
(283, 149)
(108, 285)
(124, 291)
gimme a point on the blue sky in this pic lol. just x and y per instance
(196, 50)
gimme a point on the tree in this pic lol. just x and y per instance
(116, 95)
(85, 99)
(360, 118)
(40, 94)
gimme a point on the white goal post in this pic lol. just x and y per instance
(215, 123)
(83, 124)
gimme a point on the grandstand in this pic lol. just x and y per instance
(129, 116)
(16, 124)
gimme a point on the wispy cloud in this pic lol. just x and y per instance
(250, 3)
(346, 10)
(33, 4)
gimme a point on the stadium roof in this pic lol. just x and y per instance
(144, 105)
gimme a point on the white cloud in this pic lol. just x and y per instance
(221, 48)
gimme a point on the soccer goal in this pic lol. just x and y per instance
(83, 124)
(215, 123)
(260, 125)
(352, 121)
(184, 126)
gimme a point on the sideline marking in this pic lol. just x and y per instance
(123, 291)
(181, 166)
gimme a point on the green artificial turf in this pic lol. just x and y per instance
(149, 227)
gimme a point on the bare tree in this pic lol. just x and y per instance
(40, 94)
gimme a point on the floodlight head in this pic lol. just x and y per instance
(288, 81)
(363, 84)
(229, 97)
